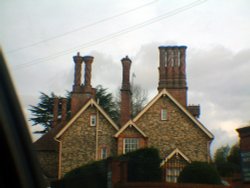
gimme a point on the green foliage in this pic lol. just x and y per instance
(143, 165)
(221, 154)
(200, 173)
(234, 154)
(106, 101)
(227, 160)
(93, 175)
(43, 112)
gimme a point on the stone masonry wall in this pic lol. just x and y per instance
(79, 141)
(49, 163)
(178, 131)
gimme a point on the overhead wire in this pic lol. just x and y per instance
(82, 27)
(112, 35)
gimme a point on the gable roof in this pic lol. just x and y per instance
(164, 92)
(176, 151)
(90, 102)
(46, 142)
(129, 123)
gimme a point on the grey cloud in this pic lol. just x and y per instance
(222, 78)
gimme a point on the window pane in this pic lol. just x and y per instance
(163, 114)
(130, 144)
(93, 120)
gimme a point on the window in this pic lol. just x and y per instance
(104, 153)
(93, 120)
(173, 168)
(163, 114)
(130, 144)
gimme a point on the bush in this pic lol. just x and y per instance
(199, 172)
(143, 165)
(93, 175)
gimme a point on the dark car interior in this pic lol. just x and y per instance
(19, 164)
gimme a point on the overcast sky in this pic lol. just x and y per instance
(39, 38)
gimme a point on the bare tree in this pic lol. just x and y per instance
(139, 99)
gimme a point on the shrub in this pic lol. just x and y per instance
(199, 172)
(93, 175)
(143, 165)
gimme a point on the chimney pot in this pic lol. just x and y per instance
(78, 71)
(87, 81)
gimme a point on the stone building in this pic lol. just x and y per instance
(166, 122)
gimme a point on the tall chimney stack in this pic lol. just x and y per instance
(55, 111)
(81, 92)
(172, 72)
(125, 91)
(64, 110)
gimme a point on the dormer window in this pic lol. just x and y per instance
(93, 120)
(164, 114)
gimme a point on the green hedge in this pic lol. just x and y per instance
(143, 165)
(93, 175)
(199, 172)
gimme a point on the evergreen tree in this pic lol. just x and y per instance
(42, 113)
(107, 102)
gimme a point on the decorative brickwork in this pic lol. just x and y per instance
(81, 92)
(172, 72)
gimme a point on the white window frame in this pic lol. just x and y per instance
(164, 114)
(92, 120)
(130, 144)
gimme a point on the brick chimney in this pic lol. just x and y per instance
(81, 92)
(55, 111)
(172, 72)
(125, 91)
(78, 72)
(64, 110)
(88, 60)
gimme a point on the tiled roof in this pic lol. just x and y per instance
(47, 141)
